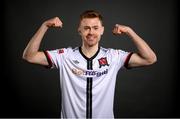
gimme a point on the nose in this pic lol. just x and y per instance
(90, 31)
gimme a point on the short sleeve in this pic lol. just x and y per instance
(123, 58)
(56, 57)
(127, 60)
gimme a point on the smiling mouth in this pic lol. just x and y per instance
(90, 38)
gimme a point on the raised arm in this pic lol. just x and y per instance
(145, 55)
(31, 52)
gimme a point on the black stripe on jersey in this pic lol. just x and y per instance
(89, 98)
(89, 92)
(127, 60)
(89, 84)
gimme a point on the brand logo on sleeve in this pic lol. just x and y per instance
(76, 62)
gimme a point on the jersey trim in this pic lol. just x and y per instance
(127, 60)
(50, 64)
(80, 50)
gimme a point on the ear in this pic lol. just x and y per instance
(79, 31)
(102, 30)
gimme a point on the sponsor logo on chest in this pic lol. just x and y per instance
(89, 73)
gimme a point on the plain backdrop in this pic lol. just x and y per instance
(29, 90)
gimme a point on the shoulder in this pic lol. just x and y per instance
(112, 51)
(63, 50)
(105, 50)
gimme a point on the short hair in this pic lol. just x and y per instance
(91, 14)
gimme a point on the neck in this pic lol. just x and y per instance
(89, 51)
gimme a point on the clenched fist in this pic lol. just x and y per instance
(53, 22)
(120, 29)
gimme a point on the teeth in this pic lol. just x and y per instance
(90, 37)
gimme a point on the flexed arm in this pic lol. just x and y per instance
(31, 52)
(145, 55)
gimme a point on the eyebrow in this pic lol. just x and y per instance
(89, 26)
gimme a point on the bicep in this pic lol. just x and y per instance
(137, 61)
(39, 58)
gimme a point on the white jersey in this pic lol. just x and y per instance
(87, 84)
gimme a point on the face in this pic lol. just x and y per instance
(90, 30)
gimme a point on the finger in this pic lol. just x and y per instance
(117, 25)
(58, 22)
(119, 30)
(114, 30)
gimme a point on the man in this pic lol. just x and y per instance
(88, 73)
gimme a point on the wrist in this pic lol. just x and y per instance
(129, 31)
(45, 26)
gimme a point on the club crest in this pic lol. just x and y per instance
(103, 62)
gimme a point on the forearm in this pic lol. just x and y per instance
(33, 46)
(143, 48)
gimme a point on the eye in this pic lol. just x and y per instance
(96, 28)
(86, 28)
